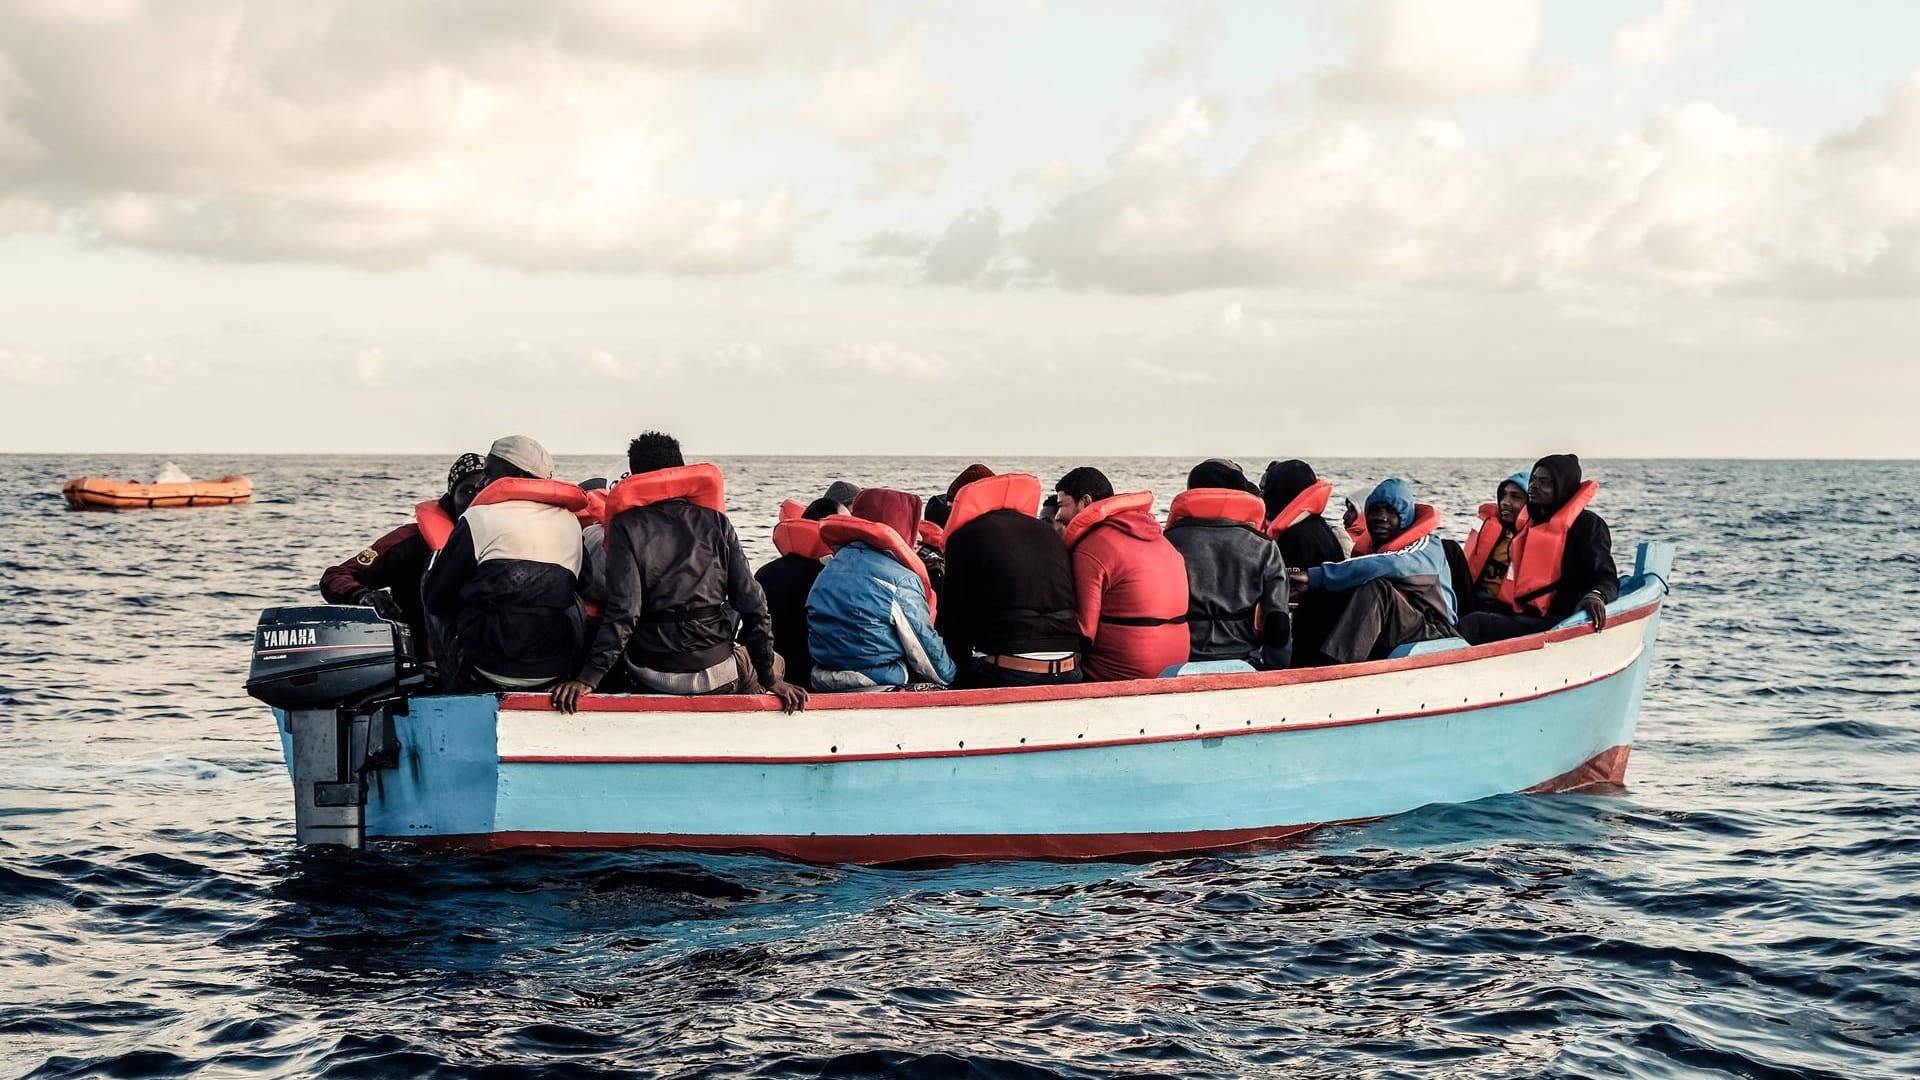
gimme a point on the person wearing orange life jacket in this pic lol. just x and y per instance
(870, 613)
(1489, 546)
(1007, 613)
(1397, 592)
(1129, 584)
(1562, 559)
(386, 576)
(1296, 504)
(786, 580)
(676, 576)
(1236, 578)
(502, 594)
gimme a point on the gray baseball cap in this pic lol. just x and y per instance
(525, 454)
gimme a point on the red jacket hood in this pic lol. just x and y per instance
(1139, 524)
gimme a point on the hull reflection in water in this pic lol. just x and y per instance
(1186, 764)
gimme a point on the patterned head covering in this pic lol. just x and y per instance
(465, 465)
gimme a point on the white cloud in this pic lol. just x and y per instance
(868, 101)
(370, 366)
(22, 367)
(371, 134)
(1162, 140)
(907, 174)
(885, 358)
(1674, 29)
(163, 368)
(1188, 46)
(1694, 198)
(1160, 373)
(1437, 50)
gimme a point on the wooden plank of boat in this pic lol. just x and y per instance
(1099, 770)
(96, 493)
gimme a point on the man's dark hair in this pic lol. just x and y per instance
(1085, 482)
(502, 469)
(822, 507)
(652, 451)
(1049, 506)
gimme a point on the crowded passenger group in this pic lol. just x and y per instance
(515, 580)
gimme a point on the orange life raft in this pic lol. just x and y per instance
(94, 493)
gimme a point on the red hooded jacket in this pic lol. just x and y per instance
(1130, 588)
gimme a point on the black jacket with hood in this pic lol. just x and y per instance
(673, 571)
(1587, 563)
(1235, 576)
(1311, 542)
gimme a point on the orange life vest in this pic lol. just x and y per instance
(1093, 516)
(596, 511)
(1483, 539)
(1007, 491)
(435, 525)
(1221, 503)
(1425, 519)
(558, 493)
(1308, 503)
(933, 535)
(1536, 553)
(843, 529)
(793, 534)
(700, 484)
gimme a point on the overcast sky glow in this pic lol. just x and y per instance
(1385, 227)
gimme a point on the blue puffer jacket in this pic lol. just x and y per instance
(1419, 569)
(868, 625)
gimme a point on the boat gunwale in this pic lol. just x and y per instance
(1185, 684)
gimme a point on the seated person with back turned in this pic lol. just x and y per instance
(1562, 559)
(504, 587)
(1007, 611)
(386, 577)
(870, 613)
(1129, 584)
(1396, 593)
(1236, 579)
(674, 568)
(1489, 547)
(786, 580)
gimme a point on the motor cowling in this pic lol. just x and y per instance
(329, 657)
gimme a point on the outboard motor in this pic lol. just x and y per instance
(336, 673)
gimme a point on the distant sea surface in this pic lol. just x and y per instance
(1748, 906)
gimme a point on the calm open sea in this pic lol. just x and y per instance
(1749, 905)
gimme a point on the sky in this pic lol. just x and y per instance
(1371, 228)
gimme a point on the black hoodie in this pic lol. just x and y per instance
(1311, 542)
(1587, 565)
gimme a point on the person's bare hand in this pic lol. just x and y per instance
(1297, 581)
(566, 697)
(792, 698)
(1596, 609)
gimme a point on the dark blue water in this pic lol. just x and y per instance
(1749, 905)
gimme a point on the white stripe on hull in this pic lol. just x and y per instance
(830, 733)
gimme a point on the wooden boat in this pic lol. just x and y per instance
(1190, 763)
(95, 493)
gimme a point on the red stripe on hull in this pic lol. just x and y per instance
(1609, 767)
(888, 850)
(1186, 684)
